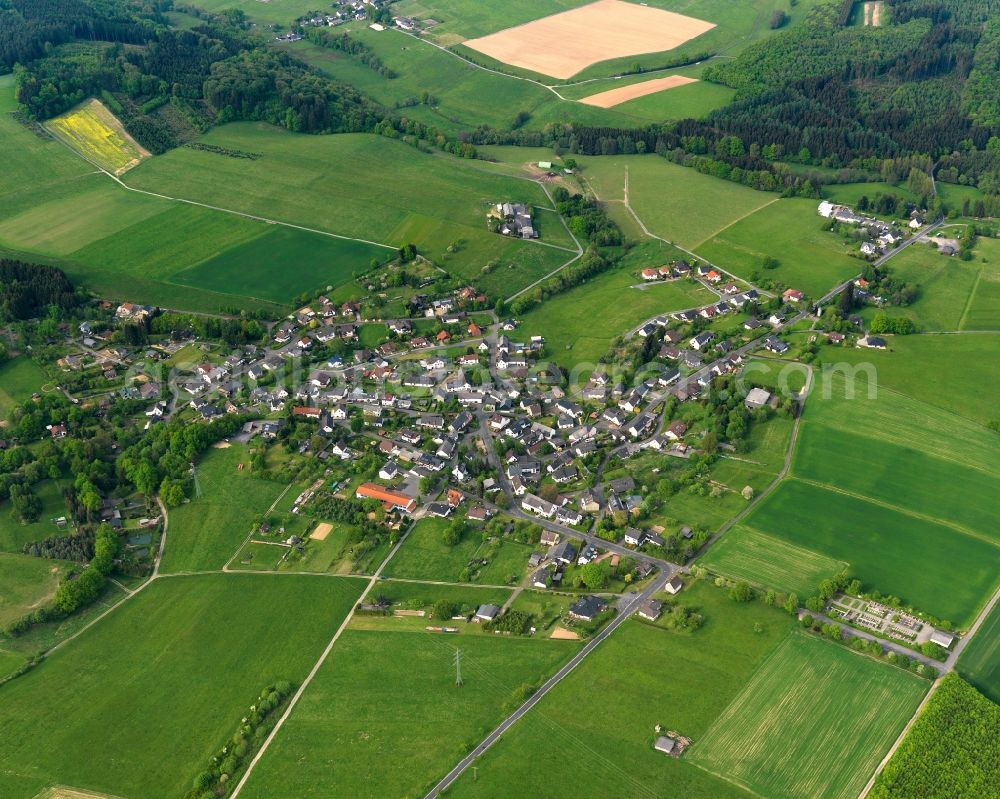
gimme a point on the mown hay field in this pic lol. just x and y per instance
(143, 720)
(980, 661)
(889, 550)
(597, 716)
(814, 721)
(561, 45)
(384, 718)
(747, 554)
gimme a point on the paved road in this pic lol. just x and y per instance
(551, 683)
(937, 665)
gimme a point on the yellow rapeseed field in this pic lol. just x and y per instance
(95, 133)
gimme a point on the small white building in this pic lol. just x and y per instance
(757, 398)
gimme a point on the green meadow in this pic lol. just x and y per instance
(207, 531)
(889, 549)
(384, 718)
(27, 583)
(809, 258)
(955, 373)
(362, 186)
(814, 720)
(282, 263)
(747, 554)
(879, 449)
(424, 555)
(674, 202)
(146, 720)
(983, 309)
(980, 661)
(14, 534)
(599, 717)
(946, 287)
(580, 324)
(19, 379)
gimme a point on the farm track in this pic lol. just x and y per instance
(897, 508)
(372, 581)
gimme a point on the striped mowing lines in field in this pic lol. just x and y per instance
(747, 554)
(814, 721)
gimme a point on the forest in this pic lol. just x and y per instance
(951, 750)
(27, 290)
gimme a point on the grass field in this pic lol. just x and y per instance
(674, 202)
(814, 720)
(602, 719)
(889, 550)
(946, 287)
(146, 720)
(14, 534)
(94, 132)
(26, 583)
(205, 532)
(8, 102)
(283, 263)
(747, 554)
(580, 324)
(980, 661)
(394, 729)
(340, 184)
(19, 379)
(963, 360)
(810, 259)
(983, 310)
(879, 449)
(54, 209)
(425, 556)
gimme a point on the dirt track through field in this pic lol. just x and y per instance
(614, 97)
(561, 45)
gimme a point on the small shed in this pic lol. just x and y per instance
(665, 745)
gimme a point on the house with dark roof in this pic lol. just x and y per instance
(587, 608)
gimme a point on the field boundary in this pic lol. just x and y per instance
(738, 219)
(231, 211)
(969, 300)
(372, 581)
(896, 508)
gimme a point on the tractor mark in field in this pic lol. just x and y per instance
(968, 302)
(726, 227)
(243, 214)
(898, 509)
(372, 581)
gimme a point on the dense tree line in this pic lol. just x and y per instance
(78, 547)
(29, 27)
(352, 47)
(587, 219)
(159, 462)
(234, 332)
(855, 92)
(28, 290)
(951, 750)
